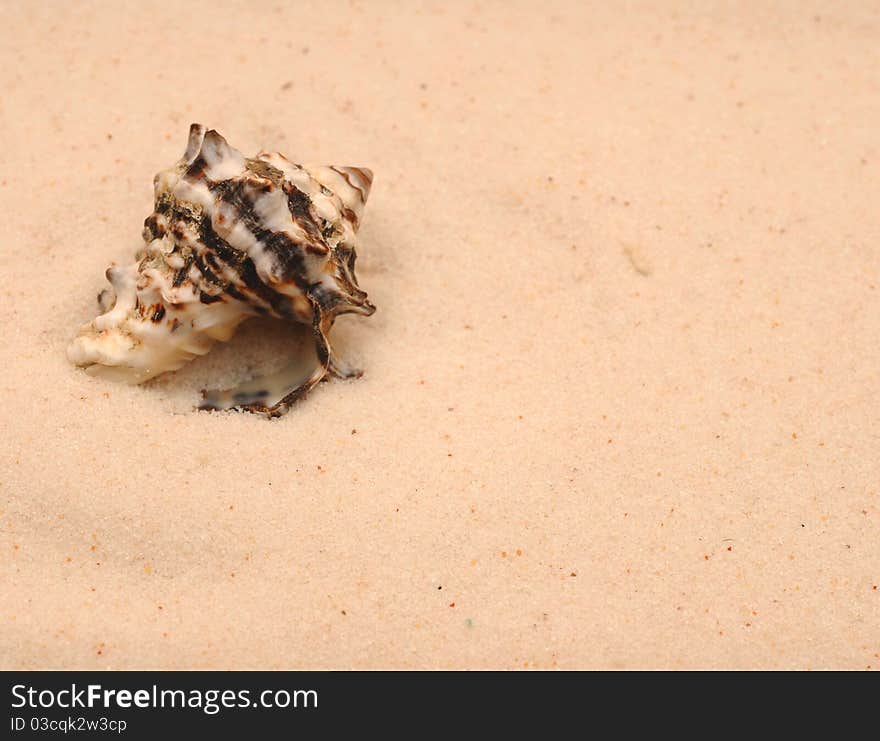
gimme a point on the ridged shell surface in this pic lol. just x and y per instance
(232, 237)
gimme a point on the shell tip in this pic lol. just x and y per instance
(194, 142)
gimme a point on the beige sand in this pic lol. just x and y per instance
(621, 396)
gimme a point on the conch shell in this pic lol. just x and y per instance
(231, 238)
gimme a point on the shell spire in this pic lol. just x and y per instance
(232, 237)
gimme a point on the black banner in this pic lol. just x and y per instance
(134, 705)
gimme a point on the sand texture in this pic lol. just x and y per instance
(620, 407)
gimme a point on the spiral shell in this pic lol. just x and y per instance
(232, 237)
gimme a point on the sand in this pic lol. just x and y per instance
(620, 407)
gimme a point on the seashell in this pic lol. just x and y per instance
(230, 238)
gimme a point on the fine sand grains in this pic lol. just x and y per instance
(621, 391)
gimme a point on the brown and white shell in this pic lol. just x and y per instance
(230, 238)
